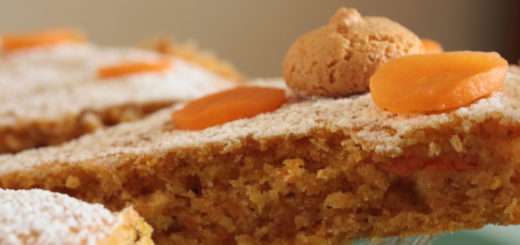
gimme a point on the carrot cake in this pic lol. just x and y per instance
(310, 170)
(51, 94)
(315, 171)
(43, 218)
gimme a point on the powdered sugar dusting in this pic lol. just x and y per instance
(42, 217)
(357, 116)
(28, 71)
(53, 83)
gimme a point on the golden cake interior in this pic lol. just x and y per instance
(320, 187)
(323, 186)
(29, 134)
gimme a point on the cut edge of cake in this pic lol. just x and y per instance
(315, 171)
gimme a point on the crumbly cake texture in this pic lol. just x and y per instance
(315, 171)
(52, 95)
(339, 58)
(41, 217)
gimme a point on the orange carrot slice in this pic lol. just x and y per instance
(129, 68)
(12, 42)
(436, 82)
(431, 46)
(228, 105)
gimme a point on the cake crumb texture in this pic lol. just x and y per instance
(315, 171)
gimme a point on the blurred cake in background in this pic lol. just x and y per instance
(53, 89)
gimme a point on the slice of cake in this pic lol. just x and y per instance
(315, 171)
(51, 94)
(41, 217)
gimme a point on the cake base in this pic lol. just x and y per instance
(319, 189)
(314, 171)
(44, 132)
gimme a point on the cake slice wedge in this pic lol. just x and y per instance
(42, 218)
(315, 171)
(50, 95)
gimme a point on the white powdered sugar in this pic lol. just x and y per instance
(41, 217)
(55, 82)
(357, 116)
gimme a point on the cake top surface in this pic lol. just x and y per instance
(42, 217)
(46, 68)
(374, 130)
(52, 82)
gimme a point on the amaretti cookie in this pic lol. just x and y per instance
(338, 59)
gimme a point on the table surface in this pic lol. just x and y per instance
(489, 235)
